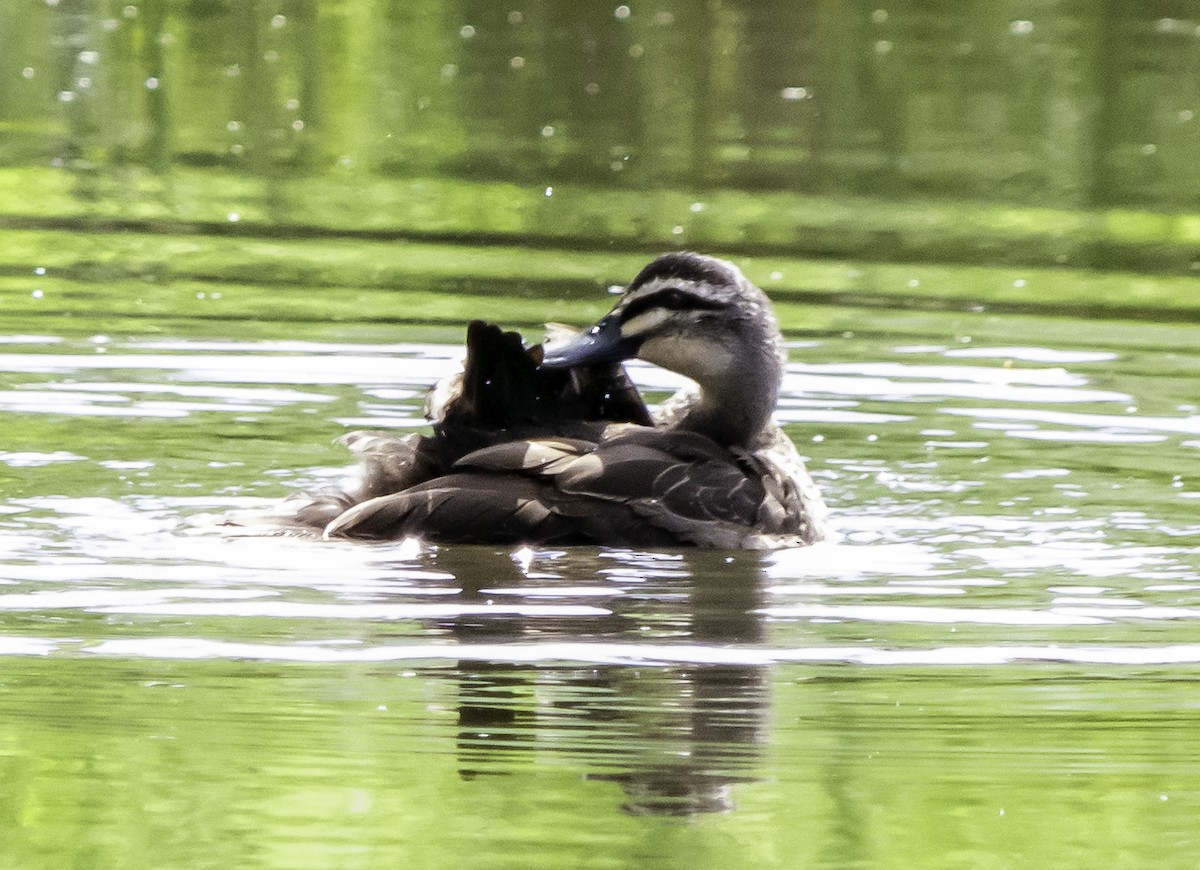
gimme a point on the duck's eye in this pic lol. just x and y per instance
(675, 299)
(669, 299)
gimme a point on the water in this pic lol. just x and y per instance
(230, 232)
(1004, 635)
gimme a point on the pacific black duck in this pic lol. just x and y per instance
(554, 445)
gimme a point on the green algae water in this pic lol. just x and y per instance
(231, 232)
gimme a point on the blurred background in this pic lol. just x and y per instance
(1033, 133)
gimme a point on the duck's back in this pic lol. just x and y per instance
(639, 487)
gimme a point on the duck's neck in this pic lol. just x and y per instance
(736, 404)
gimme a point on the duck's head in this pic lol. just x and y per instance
(700, 317)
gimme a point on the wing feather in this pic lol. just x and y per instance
(541, 456)
(464, 507)
(640, 487)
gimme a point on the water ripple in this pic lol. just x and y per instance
(634, 654)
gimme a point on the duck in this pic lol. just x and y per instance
(554, 445)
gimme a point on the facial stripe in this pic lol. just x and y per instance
(643, 322)
(667, 299)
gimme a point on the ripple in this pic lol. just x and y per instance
(120, 391)
(30, 339)
(1032, 354)
(355, 369)
(852, 562)
(1114, 425)
(1031, 473)
(342, 610)
(33, 459)
(936, 615)
(925, 543)
(646, 655)
(1083, 558)
(900, 390)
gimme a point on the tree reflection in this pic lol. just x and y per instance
(1085, 109)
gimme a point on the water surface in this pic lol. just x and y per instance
(233, 231)
(1004, 634)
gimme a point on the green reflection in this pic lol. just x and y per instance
(258, 765)
(1061, 135)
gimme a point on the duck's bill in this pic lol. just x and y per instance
(602, 343)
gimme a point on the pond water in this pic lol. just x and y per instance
(1004, 636)
(233, 231)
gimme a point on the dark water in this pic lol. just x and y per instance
(230, 232)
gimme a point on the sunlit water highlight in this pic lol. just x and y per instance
(944, 517)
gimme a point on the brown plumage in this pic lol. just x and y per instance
(556, 446)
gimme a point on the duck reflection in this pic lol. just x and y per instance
(675, 737)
